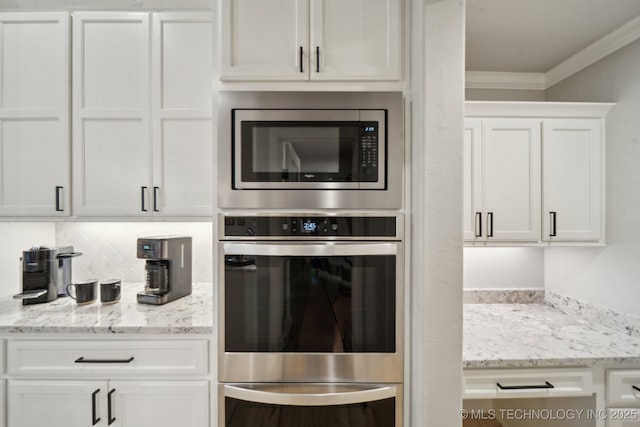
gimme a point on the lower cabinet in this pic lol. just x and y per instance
(108, 403)
(623, 397)
(102, 382)
(3, 403)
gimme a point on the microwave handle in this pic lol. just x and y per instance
(287, 249)
(306, 395)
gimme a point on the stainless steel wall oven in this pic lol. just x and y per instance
(310, 319)
(310, 150)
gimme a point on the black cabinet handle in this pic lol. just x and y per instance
(317, 59)
(546, 385)
(110, 408)
(635, 388)
(301, 59)
(83, 360)
(489, 224)
(59, 207)
(155, 198)
(478, 226)
(143, 193)
(94, 420)
(553, 216)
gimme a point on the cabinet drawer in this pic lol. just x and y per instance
(620, 389)
(114, 359)
(509, 383)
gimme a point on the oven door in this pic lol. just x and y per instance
(311, 312)
(305, 405)
(309, 149)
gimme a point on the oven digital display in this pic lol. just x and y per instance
(147, 247)
(309, 226)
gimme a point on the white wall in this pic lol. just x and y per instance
(609, 276)
(16, 237)
(504, 268)
(436, 212)
(504, 95)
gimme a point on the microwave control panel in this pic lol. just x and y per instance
(368, 151)
(257, 227)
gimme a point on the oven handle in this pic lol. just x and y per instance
(304, 249)
(310, 394)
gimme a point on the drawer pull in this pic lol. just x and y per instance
(546, 384)
(83, 360)
(636, 388)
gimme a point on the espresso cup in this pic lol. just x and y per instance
(85, 291)
(110, 291)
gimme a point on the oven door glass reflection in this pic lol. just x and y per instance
(258, 406)
(326, 304)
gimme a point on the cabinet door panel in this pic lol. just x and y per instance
(3, 411)
(35, 60)
(182, 60)
(572, 180)
(111, 126)
(34, 161)
(160, 403)
(182, 114)
(185, 173)
(511, 179)
(34, 114)
(54, 403)
(114, 71)
(472, 214)
(262, 40)
(357, 39)
(115, 166)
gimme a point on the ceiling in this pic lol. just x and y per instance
(533, 36)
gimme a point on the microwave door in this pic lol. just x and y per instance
(290, 159)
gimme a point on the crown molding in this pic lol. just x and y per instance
(615, 40)
(501, 80)
(599, 49)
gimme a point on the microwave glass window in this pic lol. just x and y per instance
(334, 304)
(294, 149)
(305, 151)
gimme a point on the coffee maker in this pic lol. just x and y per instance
(46, 272)
(168, 268)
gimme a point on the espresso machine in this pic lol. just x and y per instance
(46, 272)
(168, 268)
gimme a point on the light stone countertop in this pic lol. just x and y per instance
(192, 314)
(539, 335)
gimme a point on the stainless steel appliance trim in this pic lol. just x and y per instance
(327, 198)
(221, 226)
(309, 367)
(310, 394)
(311, 115)
(311, 249)
(231, 390)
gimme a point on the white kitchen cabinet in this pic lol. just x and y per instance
(534, 172)
(572, 171)
(34, 114)
(142, 127)
(503, 185)
(65, 403)
(298, 40)
(3, 404)
(131, 383)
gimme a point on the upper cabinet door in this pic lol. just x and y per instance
(182, 114)
(356, 39)
(34, 114)
(572, 180)
(111, 112)
(511, 179)
(472, 214)
(264, 40)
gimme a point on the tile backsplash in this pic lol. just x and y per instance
(109, 248)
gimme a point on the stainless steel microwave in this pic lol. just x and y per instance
(310, 150)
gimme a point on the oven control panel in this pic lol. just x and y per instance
(310, 226)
